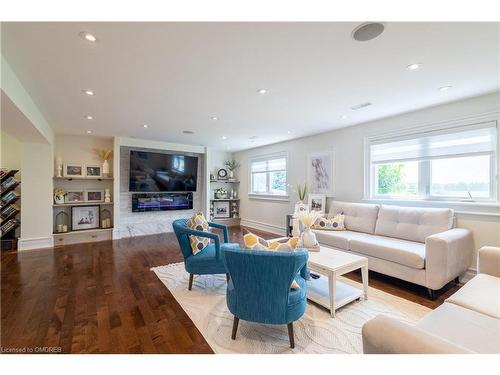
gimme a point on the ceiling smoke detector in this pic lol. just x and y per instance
(367, 31)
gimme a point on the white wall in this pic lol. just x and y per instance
(348, 144)
(11, 152)
(36, 196)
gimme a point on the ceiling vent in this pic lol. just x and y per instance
(362, 105)
(367, 31)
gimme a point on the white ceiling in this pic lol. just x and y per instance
(176, 76)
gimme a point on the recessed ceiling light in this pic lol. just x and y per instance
(262, 91)
(88, 36)
(89, 131)
(343, 117)
(288, 132)
(88, 92)
(89, 117)
(145, 126)
(445, 88)
(214, 118)
(414, 66)
(188, 132)
(224, 137)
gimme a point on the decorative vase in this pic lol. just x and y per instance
(309, 238)
(107, 196)
(231, 175)
(105, 168)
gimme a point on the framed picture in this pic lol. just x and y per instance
(93, 171)
(317, 202)
(84, 217)
(221, 210)
(94, 195)
(73, 170)
(320, 172)
(74, 196)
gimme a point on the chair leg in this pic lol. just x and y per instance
(457, 280)
(235, 327)
(228, 277)
(290, 335)
(190, 281)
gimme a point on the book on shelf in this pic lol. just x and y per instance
(10, 197)
(8, 226)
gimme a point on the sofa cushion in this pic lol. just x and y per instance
(481, 294)
(359, 217)
(408, 253)
(412, 223)
(467, 328)
(339, 240)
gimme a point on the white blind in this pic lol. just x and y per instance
(274, 164)
(436, 145)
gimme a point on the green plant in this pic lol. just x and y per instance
(301, 191)
(232, 165)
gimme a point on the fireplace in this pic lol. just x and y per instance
(145, 202)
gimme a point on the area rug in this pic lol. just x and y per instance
(315, 332)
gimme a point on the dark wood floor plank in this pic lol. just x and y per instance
(103, 298)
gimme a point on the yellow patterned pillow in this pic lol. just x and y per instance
(333, 223)
(198, 222)
(254, 242)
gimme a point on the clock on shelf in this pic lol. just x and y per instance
(222, 174)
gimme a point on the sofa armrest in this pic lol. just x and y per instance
(385, 335)
(447, 255)
(488, 260)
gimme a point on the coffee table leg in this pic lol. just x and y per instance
(332, 279)
(364, 276)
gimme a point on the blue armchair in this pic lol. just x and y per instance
(259, 287)
(209, 260)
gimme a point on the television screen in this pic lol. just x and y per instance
(156, 172)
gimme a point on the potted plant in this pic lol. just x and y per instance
(59, 195)
(220, 193)
(232, 165)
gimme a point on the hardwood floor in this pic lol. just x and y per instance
(103, 298)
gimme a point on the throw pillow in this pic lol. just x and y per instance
(254, 242)
(198, 222)
(333, 223)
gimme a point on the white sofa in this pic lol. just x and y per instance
(419, 245)
(467, 322)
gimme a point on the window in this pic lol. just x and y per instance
(268, 175)
(456, 164)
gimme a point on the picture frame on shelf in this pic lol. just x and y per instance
(94, 195)
(317, 202)
(84, 217)
(222, 210)
(93, 171)
(74, 196)
(73, 170)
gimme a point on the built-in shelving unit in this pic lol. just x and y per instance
(225, 209)
(9, 208)
(63, 232)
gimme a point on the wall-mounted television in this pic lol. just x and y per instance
(157, 172)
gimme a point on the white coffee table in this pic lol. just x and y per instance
(329, 292)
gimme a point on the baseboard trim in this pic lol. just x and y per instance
(35, 243)
(265, 227)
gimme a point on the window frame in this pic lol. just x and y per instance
(425, 166)
(268, 194)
